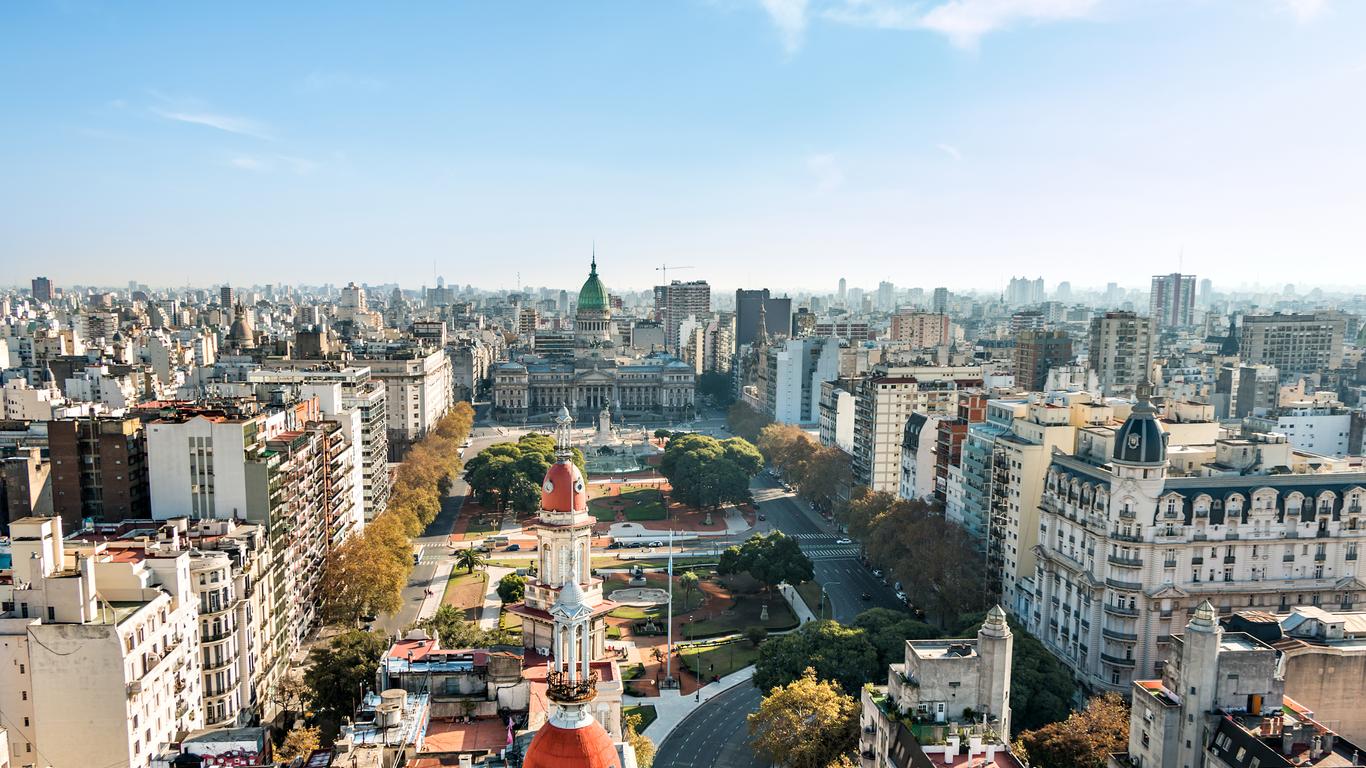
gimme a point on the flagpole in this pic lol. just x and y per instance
(669, 638)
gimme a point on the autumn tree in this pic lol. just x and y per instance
(299, 742)
(808, 723)
(644, 747)
(363, 580)
(1083, 740)
(744, 421)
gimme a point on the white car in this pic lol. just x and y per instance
(844, 540)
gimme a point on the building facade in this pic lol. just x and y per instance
(1294, 343)
(1121, 351)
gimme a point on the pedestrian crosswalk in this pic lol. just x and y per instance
(811, 536)
(831, 553)
(430, 552)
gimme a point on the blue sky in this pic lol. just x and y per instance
(764, 142)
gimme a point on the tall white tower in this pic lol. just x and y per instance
(996, 644)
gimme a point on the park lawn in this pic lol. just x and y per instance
(681, 561)
(632, 612)
(810, 592)
(636, 503)
(720, 660)
(466, 591)
(745, 613)
(509, 621)
(646, 712)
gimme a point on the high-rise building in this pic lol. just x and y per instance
(42, 289)
(777, 315)
(921, 330)
(1038, 351)
(886, 296)
(885, 399)
(1294, 343)
(678, 301)
(1172, 302)
(99, 469)
(225, 297)
(791, 376)
(844, 291)
(941, 301)
(1206, 291)
(1121, 351)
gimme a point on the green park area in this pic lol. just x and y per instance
(465, 591)
(635, 503)
(720, 659)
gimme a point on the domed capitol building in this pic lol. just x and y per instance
(600, 374)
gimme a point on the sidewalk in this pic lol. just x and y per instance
(671, 706)
(437, 585)
(488, 615)
(797, 604)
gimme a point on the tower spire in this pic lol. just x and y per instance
(593, 268)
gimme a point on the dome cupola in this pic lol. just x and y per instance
(1141, 440)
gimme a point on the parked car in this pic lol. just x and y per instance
(513, 548)
(901, 596)
(877, 572)
(615, 545)
(866, 596)
(844, 540)
(656, 543)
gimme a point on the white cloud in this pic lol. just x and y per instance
(963, 22)
(789, 16)
(1305, 10)
(238, 125)
(950, 150)
(826, 169)
(270, 163)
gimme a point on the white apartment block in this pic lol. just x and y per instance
(1121, 351)
(918, 457)
(420, 389)
(837, 416)
(99, 655)
(1310, 427)
(885, 399)
(791, 376)
(1133, 536)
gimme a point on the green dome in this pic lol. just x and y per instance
(593, 294)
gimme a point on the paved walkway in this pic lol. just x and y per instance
(798, 605)
(671, 706)
(440, 575)
(493, 604)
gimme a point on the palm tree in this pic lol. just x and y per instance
(688, 581)
(469, 559)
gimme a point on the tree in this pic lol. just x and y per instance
(771, 559)
(299, 742)
(808, 723)
(689, 582)
(718, 386)
(363, 579)
(836, 652)
(470, 559)
(1083, 740)
(888, 630)
(1042, 687)
(663, 434)
(451, 628)
(511, 588)
(756, 635)
(509, 474)
(706, 472)
(744, 421)
(643, 746)
(340, 670)
(290, 694)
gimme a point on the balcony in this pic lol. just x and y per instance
(1128, 586)
(1230, 559)
(1117, 536)
(1319, 557)
(1117, 661)
(216, 664)
(1125, 562)
(1119, 610)
(1124, 637)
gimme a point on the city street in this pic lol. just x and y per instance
(715, 735)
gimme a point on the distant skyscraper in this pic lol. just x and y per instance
(678, 301)
(1172, 304)
(1022, 290)
(778, 315)
(1206, 291)
(225, 296)
(1121, 351)
(886, 296)
(844, 290)
(1064, 292)
(1038, 351)
(42, 289)
(941, 301)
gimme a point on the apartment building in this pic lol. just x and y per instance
(99, 657)
(1038, 352)
(1221, 702)
(419, 390)
(1312, 427)
(677, 302)
(791, 374)
(99, 469)
(885, 399)
(920, 330)
(1134, 535)
(918, 460)
(1296, 344)
(1172, 301)
(1121, 351)
(948, 700)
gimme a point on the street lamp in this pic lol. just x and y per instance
(825, 599)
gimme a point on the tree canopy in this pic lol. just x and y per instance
(771, 559)
(706, 472)
(744, 421)
(366, 574)
(509, 474)
(718, 386)
(1083, 740)
(511, 588)
(807, 723)
(836, 652)
(888, 630)
(454, 631)
(821, 473)
(338, 671)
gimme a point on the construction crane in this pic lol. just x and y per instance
(665, 269)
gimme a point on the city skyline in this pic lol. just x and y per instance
(815, 140)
